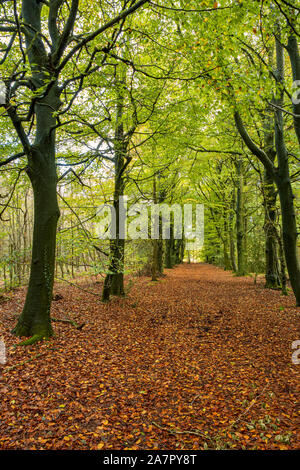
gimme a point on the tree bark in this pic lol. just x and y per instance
(272, 269)
(289, 223)
(240, 234)
(231, 234)
(227, 265)
(293, 51)
(35, 317)
(269, 196)
(114, 282)
(169, 244)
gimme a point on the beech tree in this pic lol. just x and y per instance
(280, 174)
(39, 79)
(182, 101)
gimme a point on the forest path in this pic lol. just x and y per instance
(198, 350)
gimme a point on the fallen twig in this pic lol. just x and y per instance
(78, 287)
(67, 320)
(174, 431)
(206, 436)
(24, 362)
(247, 409)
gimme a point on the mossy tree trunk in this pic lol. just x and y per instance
(169, 248)
(240, 225)
(280, 175)
(35, 317)
(289, 223)
(231, 234)
(227, 264)
(272, 268)
(269, 196)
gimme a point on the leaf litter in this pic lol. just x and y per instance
(198, 360)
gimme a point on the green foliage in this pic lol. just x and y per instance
(178, 71)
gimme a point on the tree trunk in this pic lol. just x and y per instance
(114, 282)
(231, 235)
(160, 252)
(283, 278)
(154, 268)
(289, 234)
(293, 51)
(35, 317)
(158, 246)
(269, 196)
(117, 268)
(182, 250)
(289, 223)
(272, 269)
(169, 243)
(240, 220)
(227, 265)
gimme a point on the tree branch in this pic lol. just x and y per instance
(258, 152)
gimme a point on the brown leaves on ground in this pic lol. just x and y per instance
(200, 359)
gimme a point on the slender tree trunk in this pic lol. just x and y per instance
(169, 243)
(272, 269)
(240, 227)
(154, 267)
(157, 254)
(231, 235)
(245, 246)
(227, 265)
(114, 281)
(182, 250)
(283, 278)
(117, 246)
(177, 251)
(270, 195)
(160, 256)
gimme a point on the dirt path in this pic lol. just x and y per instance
(199, 359)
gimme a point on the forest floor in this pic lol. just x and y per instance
(200, 359)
